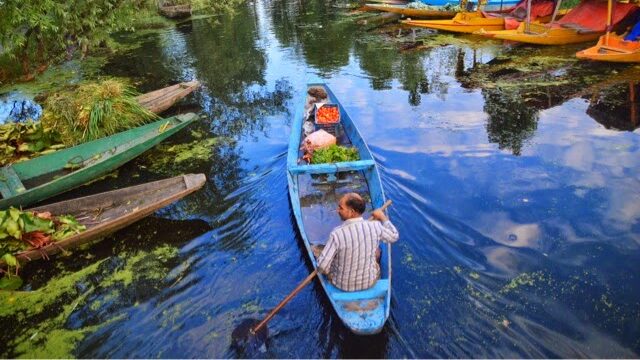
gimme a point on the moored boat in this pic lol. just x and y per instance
(470, 22)
(25, 183)
(160, 100)
(105, 213)
(175, 11)
(586, 22)
(363, 312)
(613, 47)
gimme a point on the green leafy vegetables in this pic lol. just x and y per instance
(335, 153)
(23, 141)
(22, 230)
(94, 110)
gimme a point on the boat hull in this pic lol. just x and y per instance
(97, 158)
(612, 49)
(160, 100)
(543, 35)
(110, 211)
(363, 312)
(463, 22)
(471, 22)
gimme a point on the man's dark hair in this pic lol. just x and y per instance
(356, 203)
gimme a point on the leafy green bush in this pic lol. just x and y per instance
(335, 153)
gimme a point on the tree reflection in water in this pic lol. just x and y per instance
(511, 122)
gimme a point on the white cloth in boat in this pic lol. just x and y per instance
(349, 257)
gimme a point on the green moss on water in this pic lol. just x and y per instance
(143, 265)
(39, 317)
(176, 159)
(524, 279)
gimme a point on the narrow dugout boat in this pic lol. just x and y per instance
(363, 312)
(612, 47)
(586, 22)
(28, 182)
(471, 21)
(175, 11)
(160, 100)
(107, 212)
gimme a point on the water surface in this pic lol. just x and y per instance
(518, 207)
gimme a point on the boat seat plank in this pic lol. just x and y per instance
(332, 168)
(10, 184)
(378, 290)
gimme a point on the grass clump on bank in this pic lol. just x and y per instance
(94, 110)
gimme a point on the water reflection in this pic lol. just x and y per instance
(519, 214)
(511, 121)
(14, 107)
(616, 106)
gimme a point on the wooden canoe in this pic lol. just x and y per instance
(110, 211)
(160, 100)
(612, 48)
(363, 312)
(540, 34)
(469, 22)
(28, 182)
(175, 11)
(411, 12)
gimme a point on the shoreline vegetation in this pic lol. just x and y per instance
(36, 34)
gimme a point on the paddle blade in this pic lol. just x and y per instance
(247, 344)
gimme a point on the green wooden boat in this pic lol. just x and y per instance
(28, 182)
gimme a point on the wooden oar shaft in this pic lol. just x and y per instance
(285, 301)
(383, 207)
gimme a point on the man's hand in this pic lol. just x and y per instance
(317, 250)
(379, 215)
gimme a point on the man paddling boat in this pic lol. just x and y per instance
(350, 255)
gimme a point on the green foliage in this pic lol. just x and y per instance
(23, 141)
(215, 6)
(335, 153)
(44, 30)
(569, 4)
(94, 110)
(14, 224)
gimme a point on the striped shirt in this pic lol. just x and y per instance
(350, 254)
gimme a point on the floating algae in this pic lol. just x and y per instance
(177, 159)
(45, 321)
(524, 279)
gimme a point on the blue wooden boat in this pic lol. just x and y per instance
(314, 191)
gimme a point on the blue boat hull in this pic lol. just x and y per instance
(363, 312)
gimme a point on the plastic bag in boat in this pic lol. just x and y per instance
(318, 140)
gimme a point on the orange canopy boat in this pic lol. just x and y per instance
(469, 22)
(586, 22)
(612, 47)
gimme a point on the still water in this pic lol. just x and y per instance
(518, 206)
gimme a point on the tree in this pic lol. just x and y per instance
(37, 32)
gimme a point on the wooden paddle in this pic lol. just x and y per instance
(295, 291)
